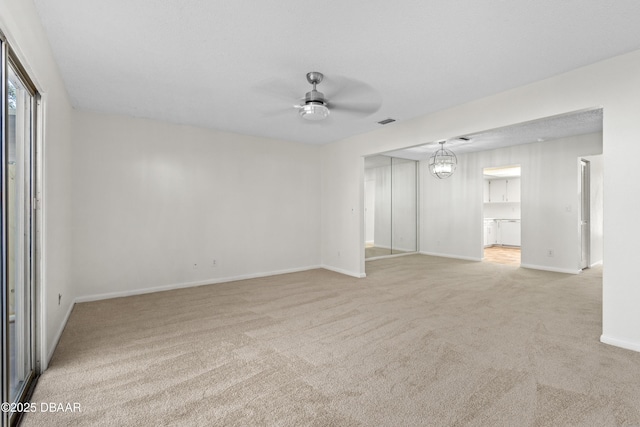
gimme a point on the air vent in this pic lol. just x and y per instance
(386, 121)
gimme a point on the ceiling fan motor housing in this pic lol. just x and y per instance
(315, 106)
(314, 96)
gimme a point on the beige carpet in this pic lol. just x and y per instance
(422, 341)
(375, 251)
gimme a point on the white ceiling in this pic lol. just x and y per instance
(240, 65)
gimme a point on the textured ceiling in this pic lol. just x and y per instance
(549, 128)
(240, 66)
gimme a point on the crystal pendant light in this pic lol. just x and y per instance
(442, 162)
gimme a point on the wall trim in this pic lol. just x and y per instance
(345, 272)
(56, 338)
(465, 258)
(389, 256)
(97, 297)
(554, 269)
(412, 250)
(628, 345)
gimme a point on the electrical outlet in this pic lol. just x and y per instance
(59, 298)
(550, 253)
(214, 263)
(195, 266)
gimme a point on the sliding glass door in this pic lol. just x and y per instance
(18, 231)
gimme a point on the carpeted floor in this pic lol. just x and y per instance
(375, 251)
(422, 341)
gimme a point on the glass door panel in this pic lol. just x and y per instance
(377, 206)
(390, 206)
(404, 206)
(18, 225)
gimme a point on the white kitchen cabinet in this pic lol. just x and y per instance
(513, 190)
(509, 234)
(487, 233)
(504, 190)
(490, 232)
(497, 190)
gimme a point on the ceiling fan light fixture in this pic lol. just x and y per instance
(314, 111)
(442, 162)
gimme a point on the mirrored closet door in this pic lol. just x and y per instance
(390, 206)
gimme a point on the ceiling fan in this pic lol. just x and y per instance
(346, 97)
(315, 106)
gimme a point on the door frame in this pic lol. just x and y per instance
(585, 213)
(33, 221)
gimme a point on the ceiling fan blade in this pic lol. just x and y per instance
(345, 95)
(361, 109)
(343, 88)
(280, 112)
(279, 89)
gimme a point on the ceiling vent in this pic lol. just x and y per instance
(386, 121)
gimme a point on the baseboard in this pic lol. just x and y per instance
(345, 272)
(553, 269)
(57, 337)
(395, 248)
(596, 264)
(381, 246)
(97, 297)
(465, 258)
(628, 345)
(389, 256)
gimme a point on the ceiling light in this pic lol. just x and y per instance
(442, 162)
(314, 111)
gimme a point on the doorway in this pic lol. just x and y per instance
(18, 179)
(501, 215)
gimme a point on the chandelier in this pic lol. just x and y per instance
(442, 162)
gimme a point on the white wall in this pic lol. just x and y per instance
(20, 23)
(152, 199)
(507, 210)
(613, 84)
(370, 210)
(452, 209)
